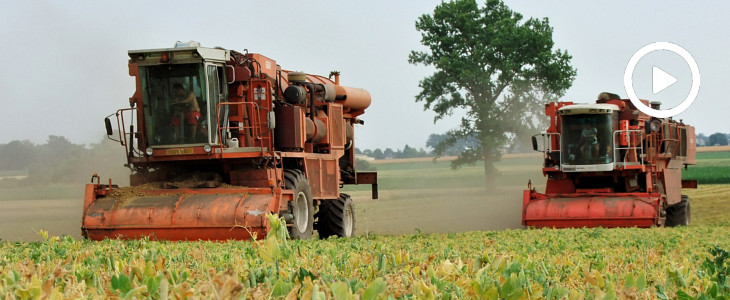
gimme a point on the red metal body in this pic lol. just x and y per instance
(250, 140)
(631, 178)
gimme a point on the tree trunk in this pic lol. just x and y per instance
(489, 171)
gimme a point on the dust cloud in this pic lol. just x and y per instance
(432, 198)
(48, 192)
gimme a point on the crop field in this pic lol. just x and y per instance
(514, 264)
(433, 234)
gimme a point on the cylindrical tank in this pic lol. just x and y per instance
(316, 130)
(354, 99)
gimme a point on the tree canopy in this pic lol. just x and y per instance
(717, 139)
(494, 66)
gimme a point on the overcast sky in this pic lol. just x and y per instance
(65, 62)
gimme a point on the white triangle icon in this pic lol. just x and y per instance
(660, 80)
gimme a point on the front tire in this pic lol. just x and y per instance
(336, 217)
(302, 206)
(679, 214)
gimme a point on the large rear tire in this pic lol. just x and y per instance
(336, 217)
(679, 214)
(302, 206)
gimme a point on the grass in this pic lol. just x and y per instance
(430, 175)
(709, 204)
(711, 168)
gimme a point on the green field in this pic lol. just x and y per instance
(512, 264)
(711, 168)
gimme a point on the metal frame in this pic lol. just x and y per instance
(617, 147)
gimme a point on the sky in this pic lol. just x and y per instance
(65, 62)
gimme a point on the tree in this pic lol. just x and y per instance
(17, 155)
(717, 139)
(389, 153)
(485, 59)
(409, 152)
(456, 148)
(378, 154)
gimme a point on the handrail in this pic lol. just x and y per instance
(634, 142)
(548, 149)
(121, 127)
(254, 127)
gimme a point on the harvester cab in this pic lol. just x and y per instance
(610, 165)
(216, 139)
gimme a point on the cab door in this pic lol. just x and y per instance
(217, 93)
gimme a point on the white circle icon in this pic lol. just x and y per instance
(629, 85)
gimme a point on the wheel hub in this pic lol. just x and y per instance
(301, 211)
(347, 220)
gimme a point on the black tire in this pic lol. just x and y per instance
(302, 206)
(336, 217)
(679, 214)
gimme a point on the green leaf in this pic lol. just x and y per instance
(153, 284)
(641, 282)
(303, 273)
(374, 289)
(281, 288)
(340, 291)
(629, 281)
(122, 283)
(660, 294)
(682, 295)
(676, 277)
(511, 288)
(712, 291)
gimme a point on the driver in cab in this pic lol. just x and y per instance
(189, 104)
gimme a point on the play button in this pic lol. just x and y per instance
(660, 80)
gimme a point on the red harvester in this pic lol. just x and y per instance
(610, 165)
(217, 139)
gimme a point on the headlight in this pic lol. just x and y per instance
(149, 151)
(207, 148)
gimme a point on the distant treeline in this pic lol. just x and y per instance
(59, 161)
(715, 139)
(410, 152)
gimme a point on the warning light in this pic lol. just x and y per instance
(164, 57)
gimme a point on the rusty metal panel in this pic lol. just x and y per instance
(330, 180)
(689, 184)
(337, 126)
(673, 185)
(289, 132)
(268, 65)
(314, 170)
(323, 177)
(368, 178)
